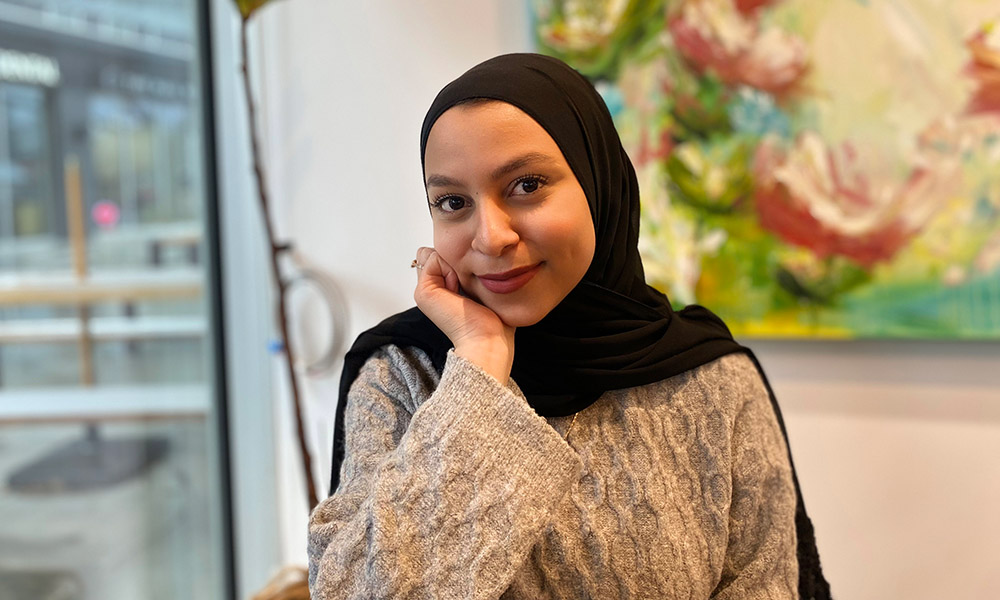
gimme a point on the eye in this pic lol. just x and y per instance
(449, 204)
(528, 184)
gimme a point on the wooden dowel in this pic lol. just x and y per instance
(75, 219)
(78, 252)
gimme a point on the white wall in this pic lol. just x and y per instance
(895, 443)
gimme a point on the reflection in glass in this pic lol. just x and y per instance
(110, 484)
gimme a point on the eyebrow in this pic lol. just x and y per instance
(498, 173)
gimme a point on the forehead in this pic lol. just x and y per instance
(483, 134)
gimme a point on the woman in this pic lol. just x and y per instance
(543, 425)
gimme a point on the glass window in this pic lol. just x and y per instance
(111, 480)
(28, 174)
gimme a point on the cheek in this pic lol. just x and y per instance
(574, 238)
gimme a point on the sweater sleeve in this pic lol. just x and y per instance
(445, 503)
(760, 561)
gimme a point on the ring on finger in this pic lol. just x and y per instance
(416, 265)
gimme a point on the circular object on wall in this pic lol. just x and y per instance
(317, 320)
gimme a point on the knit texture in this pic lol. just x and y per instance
(455, 488)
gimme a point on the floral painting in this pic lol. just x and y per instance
(808, 169)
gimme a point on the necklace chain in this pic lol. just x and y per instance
(571, 424)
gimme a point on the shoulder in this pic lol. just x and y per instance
(405, 374)
(734, 376)
(717, 390)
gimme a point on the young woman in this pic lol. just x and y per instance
(543, 424)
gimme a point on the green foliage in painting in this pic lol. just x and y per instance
(711, 175)
(596, 36)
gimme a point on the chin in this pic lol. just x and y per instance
(519, 316)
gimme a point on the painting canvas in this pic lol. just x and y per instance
(808, 169)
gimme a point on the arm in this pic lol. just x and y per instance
(760, 560)
(445, 504)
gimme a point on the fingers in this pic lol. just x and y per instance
(423, 255)
(429, 264)
(433, 273)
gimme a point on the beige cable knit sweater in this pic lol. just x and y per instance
(458, 489)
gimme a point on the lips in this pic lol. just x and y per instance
(509, 281)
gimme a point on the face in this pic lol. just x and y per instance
(509, 215)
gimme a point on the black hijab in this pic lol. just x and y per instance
(612, 331)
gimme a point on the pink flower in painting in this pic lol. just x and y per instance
(985, 69)
(821, 199)
(714, 36)
(642, 88)
(748, 7)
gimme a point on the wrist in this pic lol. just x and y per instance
(494, 356)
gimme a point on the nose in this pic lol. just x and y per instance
(494, 230)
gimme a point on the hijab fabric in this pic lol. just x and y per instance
(612, 331)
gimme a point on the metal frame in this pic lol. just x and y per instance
(214, 264)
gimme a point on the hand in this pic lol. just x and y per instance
(478, 334)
